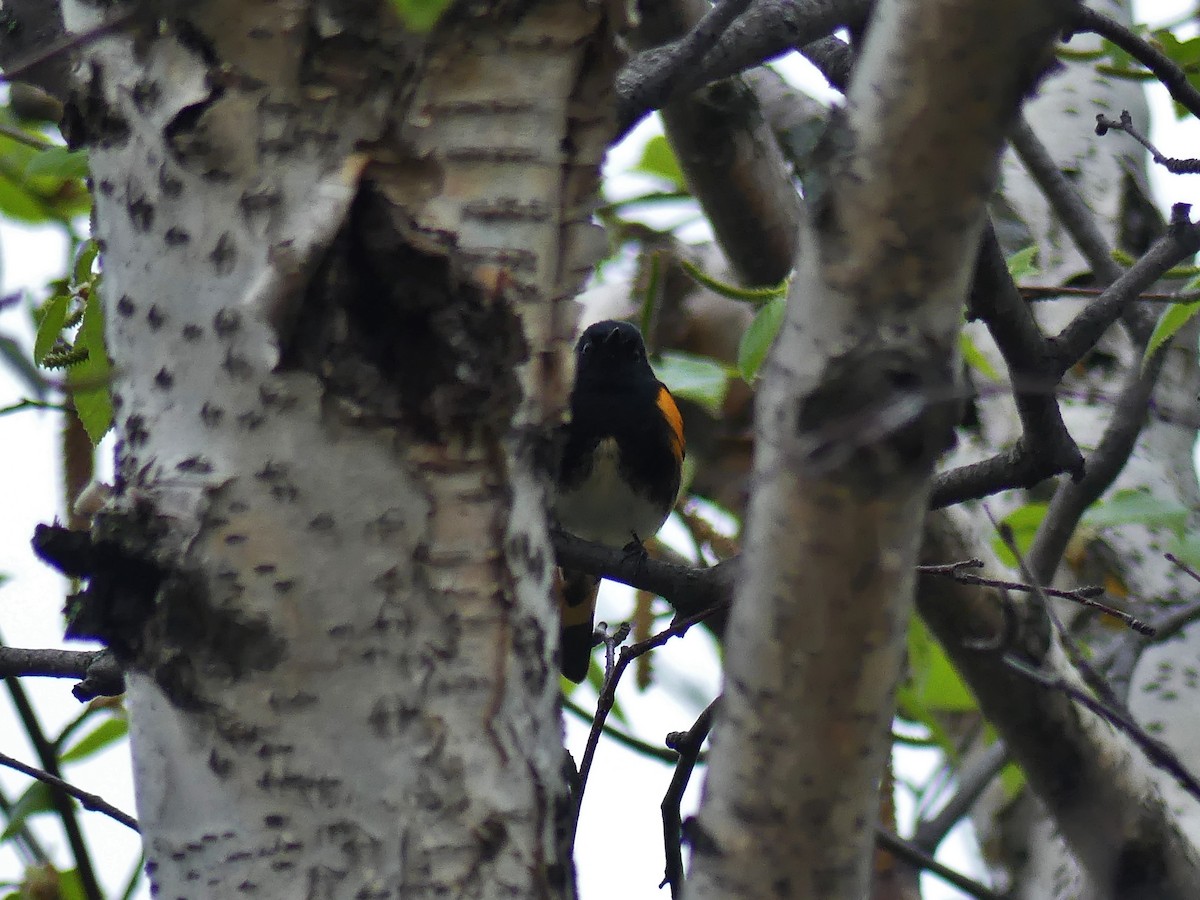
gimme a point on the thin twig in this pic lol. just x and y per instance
(910, 853)
(24, 137)
(48, 757)
(608, 693)
(1156, 751)
(1066, 639)
(28, 403)
(1085, 596)
(972, 780)
(1173, 165)
(65, 44)
(687, 745)
(1105, 704)
(1035, 293)
(624, 738)
(89, 801)
(1170, 75)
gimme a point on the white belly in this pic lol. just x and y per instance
(602, 508)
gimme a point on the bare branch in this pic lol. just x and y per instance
(1109, 811)
(972, 778)
(101, 675)
(1072, 498)
(765, 30)
(89, 801)
(732, 162)
(1181, 241)
(608, 693)
(1175, 166)
(1170, 75)
(910, 852)
(687, 746)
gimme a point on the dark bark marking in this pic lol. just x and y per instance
(395, 328)
(224, 254)
(176, 237)
(226, 322)
(211, 415)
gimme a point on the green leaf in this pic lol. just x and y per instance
(696, 378)
(1174, 317)
(1133, 507)
(1022, 263)
(1012, 780)
(975, 357)
(1187, 549)
(53, 315)
(103, 735)
(420, 15)
(89, 380)
(757, 339)
(36, 197)
(58, 162)
(70, 886)
(935, 682)
(659, 159)
(81, 272)
(1024, 522)
(1122, 257)
(34, 801)
(755, 295)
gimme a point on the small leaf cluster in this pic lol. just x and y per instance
(70, 336)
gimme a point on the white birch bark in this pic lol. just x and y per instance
(346, 687)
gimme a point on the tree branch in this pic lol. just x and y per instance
(1109, 811)
(1072, 498)
(687, 746)
(101, 675)
(1182, 240)
(732, 162)
(765, 30)
(48, 757)
(1169, 75)
(90, 801)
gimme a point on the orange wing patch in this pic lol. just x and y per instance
(666, 404)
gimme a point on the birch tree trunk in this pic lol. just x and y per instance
(848, 426)
(337, 264)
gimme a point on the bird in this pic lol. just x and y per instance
(620, 469)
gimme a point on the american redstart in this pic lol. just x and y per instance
(620, 469)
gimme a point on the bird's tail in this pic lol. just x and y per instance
(577, 609)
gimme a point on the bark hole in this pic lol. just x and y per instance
(397, 330)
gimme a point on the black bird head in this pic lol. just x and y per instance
(609, 353)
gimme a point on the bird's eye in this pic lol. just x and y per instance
(585, 348)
